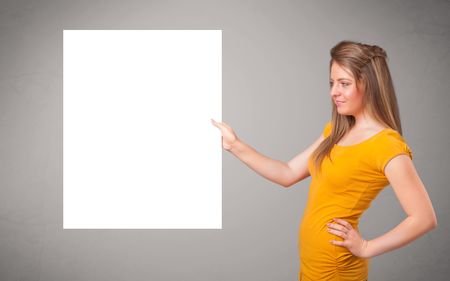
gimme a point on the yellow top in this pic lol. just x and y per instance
(344, 189)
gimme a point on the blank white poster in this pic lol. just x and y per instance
(139, 149)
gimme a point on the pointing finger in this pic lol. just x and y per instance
(343, 222)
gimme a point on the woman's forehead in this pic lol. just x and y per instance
(337, 73)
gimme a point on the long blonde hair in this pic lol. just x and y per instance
(368, 65)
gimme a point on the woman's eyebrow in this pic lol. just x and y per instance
(341, 79)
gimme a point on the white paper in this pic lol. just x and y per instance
(139, 147)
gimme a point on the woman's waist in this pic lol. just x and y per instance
(314, 235)
(317, 220)
(316, 250)
(316, 241)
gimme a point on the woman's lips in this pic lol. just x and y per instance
(338, 103)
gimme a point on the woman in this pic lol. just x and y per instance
(360, 151)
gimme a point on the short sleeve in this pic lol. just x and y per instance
(327, 129)
(392, 146)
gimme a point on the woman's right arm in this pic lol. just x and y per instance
(285, 174)
(273, 170)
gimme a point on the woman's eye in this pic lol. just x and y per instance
(345, 84)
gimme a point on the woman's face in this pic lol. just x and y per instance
(344, 91)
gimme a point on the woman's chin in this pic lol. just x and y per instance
(343, 112)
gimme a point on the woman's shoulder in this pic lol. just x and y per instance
(388, 145)
(375, 154)
(327, 129)
(386, 139)
(390, 136)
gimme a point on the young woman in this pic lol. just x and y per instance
(360, 151)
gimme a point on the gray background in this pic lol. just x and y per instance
(275, 96)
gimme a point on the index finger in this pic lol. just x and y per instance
(343, 222)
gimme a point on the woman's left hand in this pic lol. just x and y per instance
(352, 239)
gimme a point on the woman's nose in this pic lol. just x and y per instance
(334, 92)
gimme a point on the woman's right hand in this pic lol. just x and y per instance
(228, 136)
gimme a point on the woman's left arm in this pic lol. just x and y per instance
(414, 199)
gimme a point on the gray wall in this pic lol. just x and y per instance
(275, 96)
